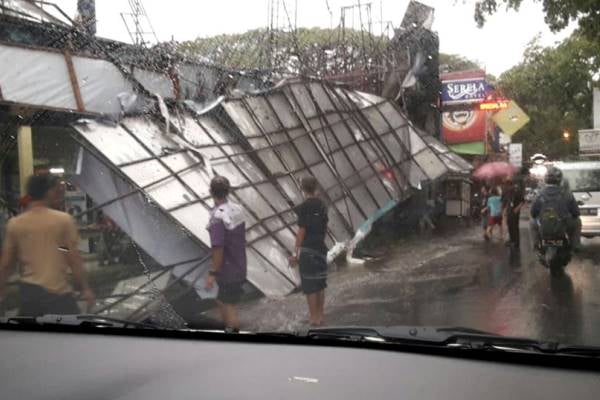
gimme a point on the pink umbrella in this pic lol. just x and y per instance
(493, 170)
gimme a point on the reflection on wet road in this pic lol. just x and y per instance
(458, 280)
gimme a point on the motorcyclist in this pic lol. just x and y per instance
(553, 195)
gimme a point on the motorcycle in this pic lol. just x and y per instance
(555, 253)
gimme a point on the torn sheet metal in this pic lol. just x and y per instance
(40, 77)
(364, 153)
(139, 153)
(35, 77)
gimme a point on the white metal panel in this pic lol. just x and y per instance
(149, 134)
(195, 219)
(277, 255)
(168, 193)
(321, 97)
(416, 142)
(262, 112)
(300, 99)
(35, 77)
(193, 132)
(197, 178)
(284, 111)
(155, 82)
(430, 163)
(242, 118)
(377, 121)
(151, 229)
(364, 199)
(262, 275)
(100, 83)
(414, 173)
(113, 141)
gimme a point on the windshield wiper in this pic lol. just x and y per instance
(94, 321)
(445, 337)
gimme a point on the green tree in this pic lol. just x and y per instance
(306, 50)
(554, 87)
(455, 62)
(558, 14)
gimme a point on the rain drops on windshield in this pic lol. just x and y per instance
(302, 164)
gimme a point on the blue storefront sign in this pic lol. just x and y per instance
(464, 91)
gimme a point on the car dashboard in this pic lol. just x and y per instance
(61, 365)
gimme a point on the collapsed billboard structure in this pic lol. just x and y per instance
(364, 153)
(149, 148)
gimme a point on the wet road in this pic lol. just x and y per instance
(458, 280)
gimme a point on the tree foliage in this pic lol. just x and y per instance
(558, 14)
(455, 62)
(306, 50)
(554, 87)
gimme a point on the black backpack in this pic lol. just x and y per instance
(552, 223)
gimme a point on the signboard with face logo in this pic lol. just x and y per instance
(463, 126)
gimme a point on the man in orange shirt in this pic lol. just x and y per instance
(44, 243)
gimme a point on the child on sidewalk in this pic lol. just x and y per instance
(494, 209)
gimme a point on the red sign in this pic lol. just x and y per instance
(463, 126)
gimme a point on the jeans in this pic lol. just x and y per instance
(37, 301)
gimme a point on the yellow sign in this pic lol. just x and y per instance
(495, 105)
(511, 119)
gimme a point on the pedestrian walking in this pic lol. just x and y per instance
(494, 208)
(485, 193)
(311, 252)
(515, 199)
(227, 230)
(44, 242)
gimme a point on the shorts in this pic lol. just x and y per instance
(313, 271)
(495, 220)
(36, 301)
(230, 293)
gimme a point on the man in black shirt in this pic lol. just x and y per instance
(514, 201)
(311, 251)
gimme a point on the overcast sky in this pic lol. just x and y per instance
(498, 46)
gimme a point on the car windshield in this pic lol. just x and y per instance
(274, 165)
(583, 180)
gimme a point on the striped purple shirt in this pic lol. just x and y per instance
(227, 229)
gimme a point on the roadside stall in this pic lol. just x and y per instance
(458, 196)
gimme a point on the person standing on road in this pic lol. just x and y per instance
(494, 208)
(44, 242)
(311, 251)
(227, 230)
(485, 193)
(515, 200)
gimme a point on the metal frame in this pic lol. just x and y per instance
(231, 140)
(203, 200)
